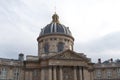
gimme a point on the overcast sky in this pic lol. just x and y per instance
(95, 25)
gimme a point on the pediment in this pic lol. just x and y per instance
(69, 55)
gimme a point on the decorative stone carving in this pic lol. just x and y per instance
(67, 55)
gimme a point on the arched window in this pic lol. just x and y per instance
(46, 48)
(60, 46)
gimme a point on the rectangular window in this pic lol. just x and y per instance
(109, 74)
(118, 72)
(16, 74)
(3, 73)
(98, 73)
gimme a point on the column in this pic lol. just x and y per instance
(61, 74)
(54, 73)
(80, 72)
(91, 75)
(75, 73)
(50, 73)
(26, 75)
(30, 75)
(10, 75)
(42, 74)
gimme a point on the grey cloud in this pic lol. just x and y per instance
(102, 47)
(13, 48)
(110, 41)
(20, 23)
(19, 28)
(19, 13)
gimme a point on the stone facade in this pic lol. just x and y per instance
(57, 60)
(53, 40)
(107, 70)
(67, 65)
(11, 69)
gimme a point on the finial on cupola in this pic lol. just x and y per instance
(55, 18)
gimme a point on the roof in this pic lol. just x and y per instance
(55, 27)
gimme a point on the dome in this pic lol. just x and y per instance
(55, 27)
(54, 38)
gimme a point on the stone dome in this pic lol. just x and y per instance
(54, 38)
(55, 27)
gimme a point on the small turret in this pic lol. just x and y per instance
(111, 60)
(99, 60)
(21, 57)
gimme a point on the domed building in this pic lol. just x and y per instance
(57, 60)
(54, 38)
